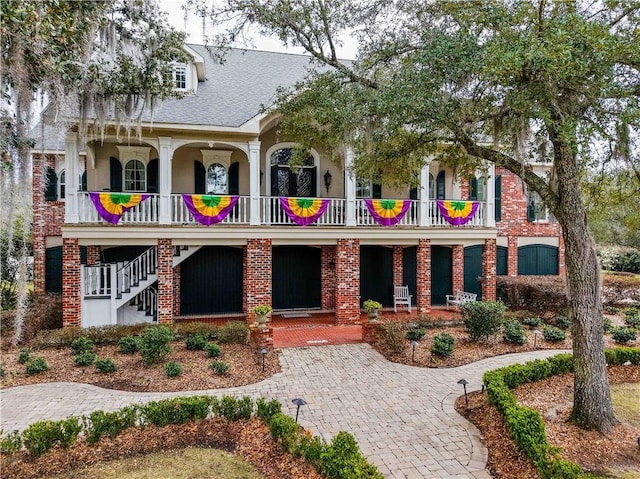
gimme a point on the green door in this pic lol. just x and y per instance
(441, 274)
(501, 260)
(53, 270)
(376, 274)
(473, 269)
(537, 259)
(410, 271)
(211, 281)
(296, 277)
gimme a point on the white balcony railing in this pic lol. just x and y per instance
(364, 218)
(272, 213)
(180, 213)
(438, 220)
(145, 212)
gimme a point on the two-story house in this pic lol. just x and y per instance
(203, 215)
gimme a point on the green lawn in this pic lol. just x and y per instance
(625, 402)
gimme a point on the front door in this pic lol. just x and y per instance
(473, 269)
(296, 277)
(287, 181)
(441, 274)
(376, 274)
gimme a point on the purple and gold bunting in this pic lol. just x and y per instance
(387, 212)
(304, 211)
(209, 209)
(457, 213)
(111, 206)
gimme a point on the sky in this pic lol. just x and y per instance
(193, 26)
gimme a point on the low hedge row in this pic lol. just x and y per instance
(526, 425)
(341, 458)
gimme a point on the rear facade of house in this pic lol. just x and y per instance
(122, 230)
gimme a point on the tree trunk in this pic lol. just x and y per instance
(592, 407)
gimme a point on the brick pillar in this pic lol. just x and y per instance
(177, 272)
(512, 256)
(489, 255)
(244, 280)
(93, 254)
(328, 277)
(348, 280)
(397, 266)
(458, 268)
(423, 280)
(39, 246)
(165, 281)
(258, 275)
(70, 282)
(464, 189)
(561, 264)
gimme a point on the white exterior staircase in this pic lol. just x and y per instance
(124, 292)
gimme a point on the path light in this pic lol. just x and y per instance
(535, 337)
(264, 352)
(299, 402)
(413, 349)
(464, 383)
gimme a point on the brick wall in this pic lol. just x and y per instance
(93, 254)
(347, 280)
(70, 282)
(328, 277)
(458, 268)
(177, 271)
(512, 256)
(258, 275)
(464, 189)
(489, 255)
(423, 279)
(39, 224)
(165, 281)
(397, 265)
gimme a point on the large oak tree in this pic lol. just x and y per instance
(507, 82)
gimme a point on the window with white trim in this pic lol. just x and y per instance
(61, 185)
(217, 179)
(364, 188)
(135, 176)
(180, 77)
(537, 211)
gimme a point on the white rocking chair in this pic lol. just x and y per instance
(401, 296)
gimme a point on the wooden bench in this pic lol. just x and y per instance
(460, 298)
(401, 296)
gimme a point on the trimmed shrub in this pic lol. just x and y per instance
(621, 355)
(233, 332)
(213, 350)
(513, 332)
(623, 335)
(265, 410)
(607, 324)
(105, 366)
(82, 345)
(392, 337)
(534, 293)
(632, 318)
(219, 367)
(284, 430)
(563, 322)
(43, 435)
(561, 364)
(232, 408)
(2, 370)
(195, 342)
(443, 345)
(128, 345)
(44, 314)
(184, 330)
(342, 459)
(85, 359)
(415, 334)
(553, 335)
(173, 369)
(153, 344)
(483, 319)
(24, 355)
(11, 443)
(36, 366)
(532, 322)
(620, 288)
(175, 410)
(100, 423)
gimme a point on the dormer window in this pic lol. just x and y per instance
(180, 77)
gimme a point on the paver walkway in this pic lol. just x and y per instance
(403, 417)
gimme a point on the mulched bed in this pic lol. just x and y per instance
(132, 375)
(250, 440)
(553, 398)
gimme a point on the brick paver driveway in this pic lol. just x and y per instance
(402, 416)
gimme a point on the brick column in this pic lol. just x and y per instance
(328, 277)
(39, 246)
(165, 281)
(512, 256)
(258, 275)
(177, 272)
(70, 282)
(93, 254)
(244, 280)
(423, 280)
(561, 264)
(397, 266)
(464, 189)
(348, 280)
(458, 268)
(489, 255)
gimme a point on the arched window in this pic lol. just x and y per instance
(288, 181)
(217, 179)
(61, 185)
(135, 176)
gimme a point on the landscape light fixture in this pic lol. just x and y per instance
(264, 352)
(535, 337)
(413, 349)
(299, 402)
(464, 383)
(327, 180)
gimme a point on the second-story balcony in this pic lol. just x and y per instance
(338, 213)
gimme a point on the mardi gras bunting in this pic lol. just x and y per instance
(209, 209)
(457, 213)
(111, 206)
(387, 212)
(304, 211)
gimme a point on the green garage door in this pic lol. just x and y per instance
(410, 271)
(211, 281)
(441, 274)
(53, 268)
(296, 277)
(537, 259)
(501, 261)
(376, 274)
(473, 269)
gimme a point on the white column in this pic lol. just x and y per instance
(254, 182)
(350, 188)
(424, 218)
(490, 203)
(71, 168)
(164, 172)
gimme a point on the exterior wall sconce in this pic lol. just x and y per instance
(327, 180)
